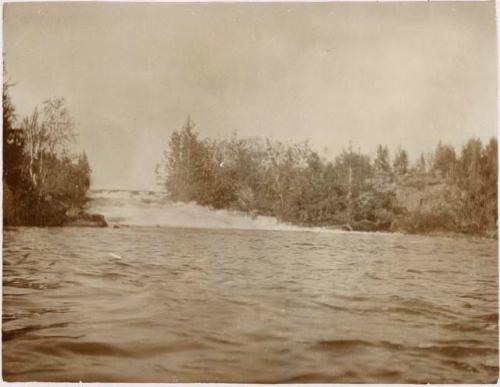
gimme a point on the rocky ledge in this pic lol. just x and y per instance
(80, 218)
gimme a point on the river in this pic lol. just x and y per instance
(260, 303)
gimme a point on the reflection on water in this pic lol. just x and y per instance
(192, 305)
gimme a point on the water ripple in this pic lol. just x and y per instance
(139, 304)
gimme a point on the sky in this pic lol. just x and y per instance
(409, 74)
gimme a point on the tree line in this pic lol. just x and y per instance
(42, 178)
(292, 182)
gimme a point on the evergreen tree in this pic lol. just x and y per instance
(9, 111)
(400, 164)
(13, 142)
(445, 160)
(382, 163)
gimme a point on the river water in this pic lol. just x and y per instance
(142, 303)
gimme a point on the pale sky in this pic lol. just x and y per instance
(407, 74)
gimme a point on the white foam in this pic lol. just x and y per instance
(144, 208)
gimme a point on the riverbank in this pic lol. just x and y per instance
(445, 191)
(413, 204)
(45, 181)
(362, 227)
(23, 209)
(155, 209)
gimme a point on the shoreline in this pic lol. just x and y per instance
(439, 234)
(80, 216)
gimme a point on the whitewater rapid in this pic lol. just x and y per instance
(153, 208)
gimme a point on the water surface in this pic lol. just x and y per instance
(147, 304)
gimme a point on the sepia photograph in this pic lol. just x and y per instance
(244, 192)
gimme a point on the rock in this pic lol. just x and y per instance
(84, 219)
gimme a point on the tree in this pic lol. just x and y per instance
(46, 135)
(400, 164)
(43, 178)
(469, 164)
(477, 176)
(382, 162)
(352, 171)
(9, 111)
(13, 157)
(445, 160)
(489, 174)
(295, 184)
(189, 166)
